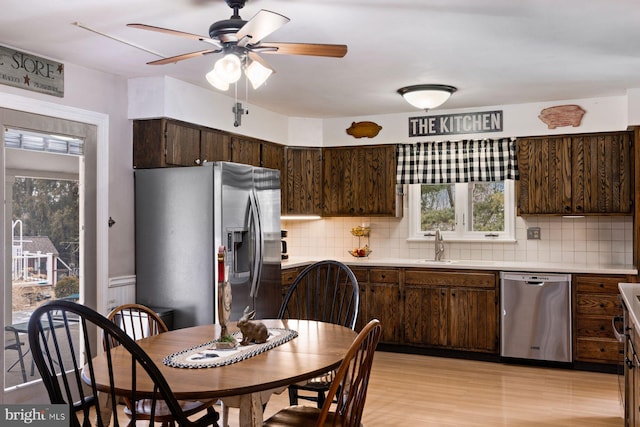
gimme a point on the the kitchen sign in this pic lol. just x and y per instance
(453, 124)
(30, 72)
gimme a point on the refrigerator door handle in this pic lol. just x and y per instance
(259, 242)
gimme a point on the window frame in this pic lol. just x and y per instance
(461, 234)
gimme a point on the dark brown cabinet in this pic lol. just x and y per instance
(451, 309)
(302, 181)
(359, 181)
(246, 150)
(576, 174)
(596, 303)
(165, 143)
(383, 302)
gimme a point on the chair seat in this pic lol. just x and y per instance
(299, 416)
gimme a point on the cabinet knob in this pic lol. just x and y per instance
(601, 305)
(602, 285)
(197, 161)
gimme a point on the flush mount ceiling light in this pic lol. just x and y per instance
(428, 96)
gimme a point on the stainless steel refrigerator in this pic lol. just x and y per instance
(183, 215)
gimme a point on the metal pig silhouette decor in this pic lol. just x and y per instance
(364, 129)
(252, 331)
(562, 115)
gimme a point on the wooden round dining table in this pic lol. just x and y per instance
(319, 347)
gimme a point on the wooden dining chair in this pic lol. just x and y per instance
(326, 291)
(349, 389)
(64, 359)
(139, 321)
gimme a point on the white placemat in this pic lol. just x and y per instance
(207, 356)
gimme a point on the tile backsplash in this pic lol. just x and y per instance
(592, 240)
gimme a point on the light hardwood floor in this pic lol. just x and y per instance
(414, 390)
(422, 391)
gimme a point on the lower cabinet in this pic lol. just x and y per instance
(455, 310)
(383, 302)
(459, 309)
(596, 303)
(631, 374)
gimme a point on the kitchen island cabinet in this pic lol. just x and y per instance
(576, 174)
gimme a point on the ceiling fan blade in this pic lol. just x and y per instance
(182, 57)
(260, 26)
(174, 33)
(311, 49)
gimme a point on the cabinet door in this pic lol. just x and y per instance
(214, 146)
(148, 143)
(473, 318)
(182, 144)
(426, 315)
(245, 150)
(359, 180)
(601, 173)
(302, 184)
(544, 165)
(384, 303)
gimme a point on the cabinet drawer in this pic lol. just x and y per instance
(384, 276)
(598, 284)
(594, 327)
(362, 275)
(598, 304)
(290, 274)
(598, 350)
(451, 278)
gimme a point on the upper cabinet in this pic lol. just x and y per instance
(576, 174)
(163, 143)
(302, 181)
(359, 180)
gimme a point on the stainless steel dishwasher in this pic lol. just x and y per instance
(536, 316)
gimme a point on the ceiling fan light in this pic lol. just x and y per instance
(257, 73)
(214, 80)
(229, 68)
(428, 96)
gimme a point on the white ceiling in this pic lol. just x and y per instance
(494, 51)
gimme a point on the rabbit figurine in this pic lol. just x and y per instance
(255, 332)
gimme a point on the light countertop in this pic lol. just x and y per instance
(630, 293)
(471, 265)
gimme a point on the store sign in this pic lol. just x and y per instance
(30, 72)
(454, 124)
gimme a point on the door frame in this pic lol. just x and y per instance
(24, 393)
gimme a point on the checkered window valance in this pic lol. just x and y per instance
(449, 162)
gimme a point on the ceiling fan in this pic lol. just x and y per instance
(241, 43)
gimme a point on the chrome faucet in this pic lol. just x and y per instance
(439, 245)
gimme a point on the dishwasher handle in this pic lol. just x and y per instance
(536, 283)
